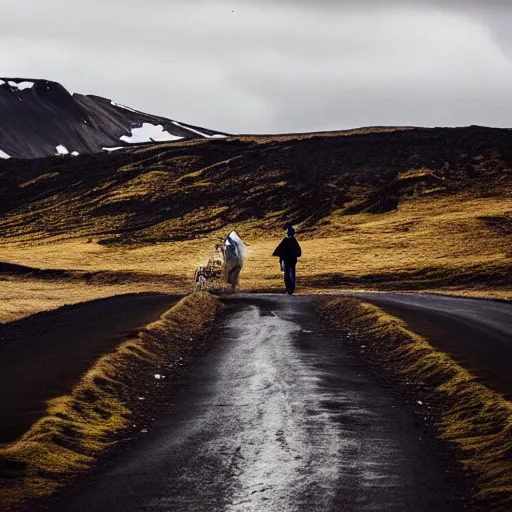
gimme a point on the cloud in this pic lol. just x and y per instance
(273, 66)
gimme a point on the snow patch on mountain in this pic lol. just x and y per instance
(3, 154)
(113, 149)
(125, 107)
(20, 85)
(190, 129)
(62, 150)
(148, 133)
(197, 132)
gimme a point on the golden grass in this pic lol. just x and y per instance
(445, 234)
(79, 426)
(302, 136)
(473, 418)
(165, 268)
(39, 179)
(21, 297)
(445, 244)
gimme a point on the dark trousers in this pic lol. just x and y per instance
(289, 277)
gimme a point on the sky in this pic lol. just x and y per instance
(274, 66)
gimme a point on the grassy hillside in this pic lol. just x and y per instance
(376, 208)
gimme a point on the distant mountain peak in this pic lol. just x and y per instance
(41, 118)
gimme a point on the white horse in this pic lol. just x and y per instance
(234, 254)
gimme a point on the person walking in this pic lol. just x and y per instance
(288, 251)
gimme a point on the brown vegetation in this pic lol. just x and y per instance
(171, 192)
(381, 208)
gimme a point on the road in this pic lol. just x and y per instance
(476, 333)
(44, 355)
(279, 416)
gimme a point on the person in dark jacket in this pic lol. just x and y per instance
(288, 251)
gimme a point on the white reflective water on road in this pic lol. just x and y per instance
(286, 449)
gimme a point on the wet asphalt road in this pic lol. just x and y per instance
(278, 417)
(476, 333)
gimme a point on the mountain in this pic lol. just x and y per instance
(40, 118)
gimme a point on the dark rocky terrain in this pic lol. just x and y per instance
(186, 189)
(41, 118)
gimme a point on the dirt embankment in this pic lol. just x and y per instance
(43, 356)
(474, 420)
(79, 426)
(26, 291)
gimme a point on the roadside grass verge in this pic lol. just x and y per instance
(475, 420)
(78, 427)
(473, 277)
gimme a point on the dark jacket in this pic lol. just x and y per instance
(288, 250)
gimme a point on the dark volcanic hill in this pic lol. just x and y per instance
(41, 118)
(186, 189)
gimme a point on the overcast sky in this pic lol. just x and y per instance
(259, 66)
